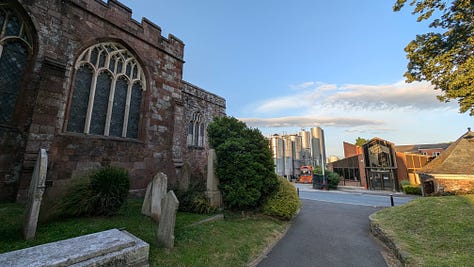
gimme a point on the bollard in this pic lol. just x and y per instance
(391, 200)
(298, 191)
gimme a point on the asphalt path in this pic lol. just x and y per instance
(327, 234)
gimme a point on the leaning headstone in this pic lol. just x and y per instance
(165, 231)
(156, 191)
(146, 206)
(213, 193)
(35, 195)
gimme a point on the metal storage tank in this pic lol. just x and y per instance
(278, 152)
(318, 146)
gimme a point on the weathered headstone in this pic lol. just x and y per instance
(35, 195)
(146, 206)
(213, 193)
(156, 191)
(184, 176)
(165, 231)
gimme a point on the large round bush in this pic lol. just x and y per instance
(244, 164)
(284, 203)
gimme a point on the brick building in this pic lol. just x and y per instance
(452, 170)
(94, 87)
(379, 164)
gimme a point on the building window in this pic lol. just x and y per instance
(196, 129)
(15, 48)
(107, 92)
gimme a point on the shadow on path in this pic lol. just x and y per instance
(327, 234)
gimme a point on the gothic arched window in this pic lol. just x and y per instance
(107, 92)
(15, 48)
(196, 131)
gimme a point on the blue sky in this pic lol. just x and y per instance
(287, 65)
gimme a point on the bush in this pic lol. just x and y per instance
(194, 199)
(404, 182)
(284, 203)
(102, 193)
(412, 190)
(244, 164)
(333, 179)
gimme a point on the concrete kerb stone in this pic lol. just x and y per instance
(269, 248)
(378, 233)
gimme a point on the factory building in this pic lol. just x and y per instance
(291, 151)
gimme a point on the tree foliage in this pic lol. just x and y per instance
(244, 163)
(444, 57)
(360, 141)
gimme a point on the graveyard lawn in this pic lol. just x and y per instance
(235, 241)
(432, 231)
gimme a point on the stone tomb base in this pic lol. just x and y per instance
(110, 248)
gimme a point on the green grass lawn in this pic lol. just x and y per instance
(235, 241)
(434, 231)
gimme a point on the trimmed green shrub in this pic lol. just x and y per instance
(102, 193)
(284, 203)
(244, 164)
(404, 182)
(412, 190)
(333, 179)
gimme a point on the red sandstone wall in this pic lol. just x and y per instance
(63, 30)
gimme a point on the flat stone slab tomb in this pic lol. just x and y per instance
(110, 248)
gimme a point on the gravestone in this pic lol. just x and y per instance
(156, 191)
(165, 230)
(108, 248)
(35, 195)
(146, 206)
(213, 193)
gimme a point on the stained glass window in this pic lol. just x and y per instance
(118, 109)
(15, 48)
(134, 114)
(115, 103)
(13, 26)
(78, 110)
(101, 99)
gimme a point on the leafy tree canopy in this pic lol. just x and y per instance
(360, 141)
(444, 57)
(244, 163)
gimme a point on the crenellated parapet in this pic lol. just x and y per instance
(121, 16)
(202, 94)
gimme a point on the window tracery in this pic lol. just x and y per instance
(107, 92)
(196, 129)
(15, 48)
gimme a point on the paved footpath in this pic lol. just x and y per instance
(327, 234)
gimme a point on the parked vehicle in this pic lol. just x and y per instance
(306, 176)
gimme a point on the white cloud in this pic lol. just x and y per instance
(310, 121)
(349, 97)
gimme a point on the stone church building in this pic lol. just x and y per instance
(92, 86)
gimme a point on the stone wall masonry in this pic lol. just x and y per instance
(196, 99)
(119, 15)
(62, 30)
(11, 148)
(451, 183)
